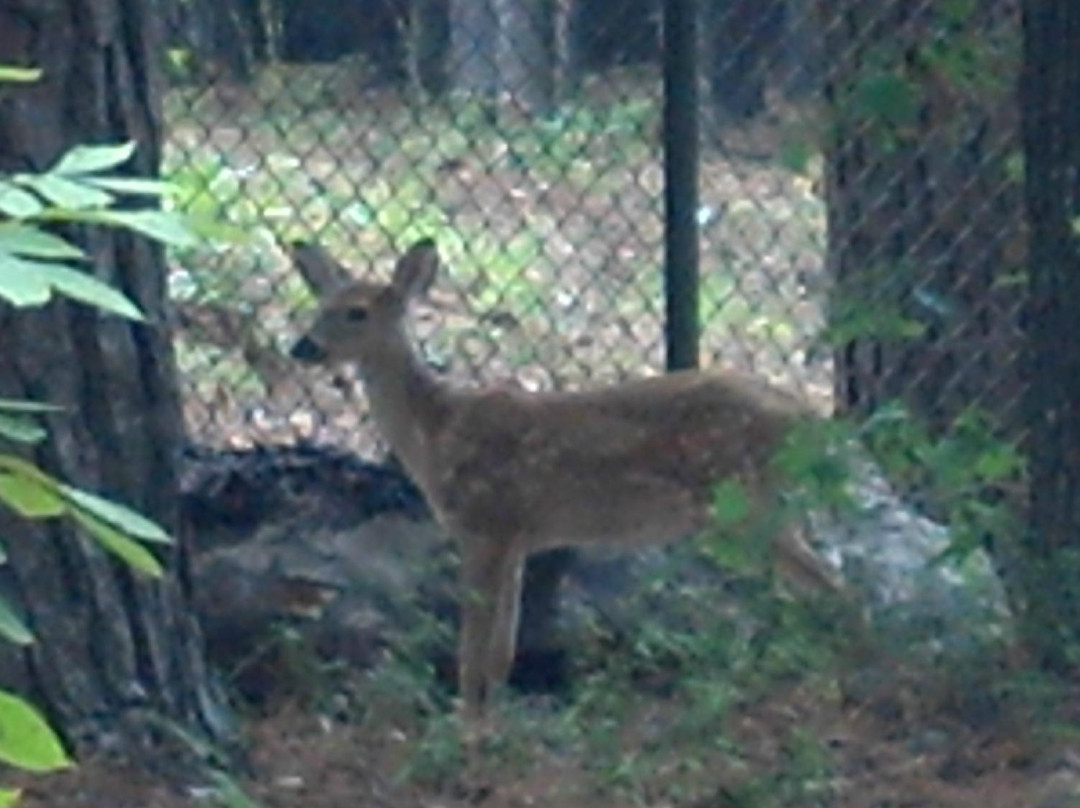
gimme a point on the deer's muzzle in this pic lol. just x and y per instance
(307, 350)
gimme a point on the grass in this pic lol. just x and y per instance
(697, 706)
(653, 715)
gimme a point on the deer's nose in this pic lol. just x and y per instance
(307, 350)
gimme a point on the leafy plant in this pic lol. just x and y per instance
(35, 265)
(18, 75)
(963, 472)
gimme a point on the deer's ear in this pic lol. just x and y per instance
(416, 269)
(323, 274)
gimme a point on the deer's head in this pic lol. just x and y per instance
(355, 322)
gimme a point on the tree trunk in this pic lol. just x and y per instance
(922, 202)
(741, 39)
(111, 647)
(1051, 124)
(474, 46)
(925, 244)
(607, 33)
(227, 38)
(527, 53)
(801, 57)
(429, 40)
(507, 49)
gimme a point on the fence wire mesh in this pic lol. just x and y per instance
(526, 137)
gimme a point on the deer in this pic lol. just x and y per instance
(509, 472)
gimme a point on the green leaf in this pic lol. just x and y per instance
(795, 155)
(854, 319)
(21, 405)
(22, 75)
(21, 429)
(9, 797)
(735, 552)
(27, 282)
(3, 554)
(26, 739)
(12, 626)
(21, 239)
(65, 193)
(229, 793)
(85, 159)
(29, 497)
(21, 281)
(87, 289)
(23, 468)
(160, 225)
(730, 503)
(139, 186)
(116, 514)
(210, 228)
(956, 12)
(128, 550)
(999, 462)
(890, 97)
(17, 203)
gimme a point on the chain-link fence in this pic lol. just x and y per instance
(528, 138)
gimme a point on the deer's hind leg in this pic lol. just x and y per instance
(502, 643)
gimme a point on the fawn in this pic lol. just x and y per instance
(509, 472)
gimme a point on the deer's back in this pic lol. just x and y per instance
(631, 464)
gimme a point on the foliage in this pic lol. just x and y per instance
(27, 742)
(18, 75)
(660, 676)
(35, 265)
(962, 53)
(964, 473)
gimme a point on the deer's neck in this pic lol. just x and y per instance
(408, 402)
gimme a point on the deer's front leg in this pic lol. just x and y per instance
(481, 570)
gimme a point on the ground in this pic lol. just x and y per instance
(794, 748)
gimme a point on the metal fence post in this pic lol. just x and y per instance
(681, 254)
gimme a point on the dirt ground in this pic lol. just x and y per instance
(870, 761)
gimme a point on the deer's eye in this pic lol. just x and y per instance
(356, 314)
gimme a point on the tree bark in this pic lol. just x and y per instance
(741, 39)
(112, 647)
(429, 42)
(925, 244)
(922, 202)
(527, 53)
(1051, 129)
(227, 38)
(507, 50)
(474, 46)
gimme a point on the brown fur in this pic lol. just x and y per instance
(508, 473)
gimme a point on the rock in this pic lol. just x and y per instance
(315, 545)
(1061, 790)
(230, 496)
(885, 551)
